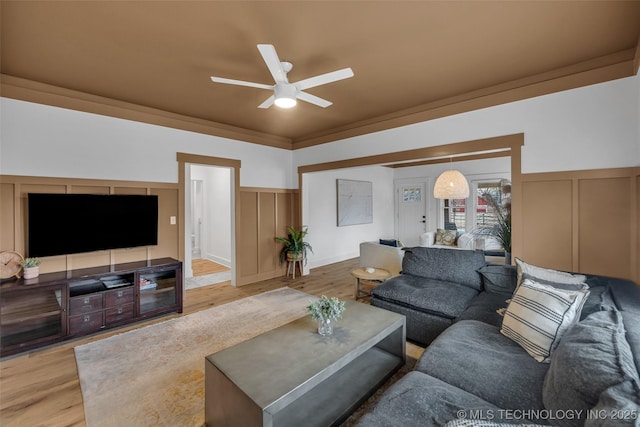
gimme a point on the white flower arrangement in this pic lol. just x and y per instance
(326, 308)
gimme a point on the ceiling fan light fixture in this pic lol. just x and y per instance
(285, 95)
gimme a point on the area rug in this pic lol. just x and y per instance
(154, 376)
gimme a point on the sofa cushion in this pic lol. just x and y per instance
(559, 279)
(618, 406)
(446, 299)
(499, 278)
(475, 357)
(446, 265)
(538, 315)
(420, 400)
(592, 357)
(422, 327)
(484, 308)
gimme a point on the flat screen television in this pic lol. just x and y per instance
(62, 224)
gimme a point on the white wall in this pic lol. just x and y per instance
(330, 242)
(40, 140)
(591, 127)
(585, 128)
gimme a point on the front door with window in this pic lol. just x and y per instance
(412, 202)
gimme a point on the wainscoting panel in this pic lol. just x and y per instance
(13, 217)
(547, 215)
(586, 221)
(247, 258)
(604, 223)
(264, 214)
(267, 232)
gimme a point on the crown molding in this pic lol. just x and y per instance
(610, 67)
(606, 68)
(42, 93)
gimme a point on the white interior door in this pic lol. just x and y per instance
(412, 208)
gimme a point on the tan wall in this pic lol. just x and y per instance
(13, 216)
(263, 214)
(586, 221)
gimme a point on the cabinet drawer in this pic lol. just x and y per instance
(117, 314)
(85, 304)
(118, 297)
(85, 323)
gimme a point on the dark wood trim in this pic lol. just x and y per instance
(235, 165)
(454, 149)
(598, 70)
(482, 156)
(610, 67)
(41, 93)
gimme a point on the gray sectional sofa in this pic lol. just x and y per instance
(472, 373)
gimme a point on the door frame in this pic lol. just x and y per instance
(185, 159)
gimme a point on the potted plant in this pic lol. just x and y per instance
(30, 268)
(324, 310)
(501, 231)
(295, 248)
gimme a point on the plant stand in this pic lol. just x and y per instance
(291, 267)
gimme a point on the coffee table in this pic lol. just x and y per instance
(377, 275)
(292, 376)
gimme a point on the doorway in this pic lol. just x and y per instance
(210, 225)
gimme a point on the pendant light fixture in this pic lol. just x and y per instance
(451, 184)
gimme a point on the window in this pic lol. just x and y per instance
(485, 214)
(454, 214)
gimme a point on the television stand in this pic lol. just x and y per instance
(55, 307)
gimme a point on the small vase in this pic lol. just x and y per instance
(325, 327)
(30, 272)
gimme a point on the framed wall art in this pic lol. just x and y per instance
(355, 202)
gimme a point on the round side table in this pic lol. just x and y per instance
(378, 275)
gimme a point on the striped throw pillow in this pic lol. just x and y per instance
(539, 314)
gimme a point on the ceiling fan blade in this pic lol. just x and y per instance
(240, 83)
(304, 96)
(270, 57)
(268, 103)
(322, 79)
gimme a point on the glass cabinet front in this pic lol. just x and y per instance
(31, 317)
(157, 290)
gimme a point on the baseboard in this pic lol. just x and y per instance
(330, 260)
(218, 260)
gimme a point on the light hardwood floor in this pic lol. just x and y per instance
(42, 388)
(202, 267)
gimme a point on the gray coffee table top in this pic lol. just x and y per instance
(279, 366)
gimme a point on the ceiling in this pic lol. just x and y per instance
(408, 57)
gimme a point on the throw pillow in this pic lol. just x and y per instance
(593, 360)
(499, 278)
(555, 278)
(538, 315)
(445, 237)
(389, 242)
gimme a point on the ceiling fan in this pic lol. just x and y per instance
(285, 93)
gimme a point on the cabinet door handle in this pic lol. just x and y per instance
(87, 319)
(120, 294)
(120, 310)
(86, 300)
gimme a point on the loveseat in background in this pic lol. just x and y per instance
(378, 255)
